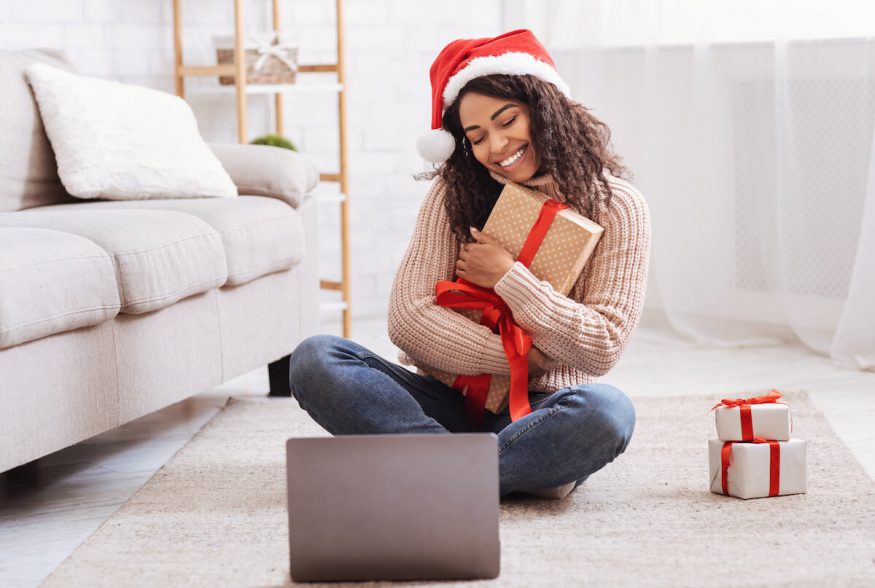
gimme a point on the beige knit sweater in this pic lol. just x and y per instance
(585, 332)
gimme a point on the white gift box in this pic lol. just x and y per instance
(769, 420)
(749, 473)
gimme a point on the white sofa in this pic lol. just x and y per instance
(111, 310)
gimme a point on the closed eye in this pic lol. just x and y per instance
(505, 125)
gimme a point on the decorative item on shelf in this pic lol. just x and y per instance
(271, 58)
(274, 140)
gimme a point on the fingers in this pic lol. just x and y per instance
(484, 239)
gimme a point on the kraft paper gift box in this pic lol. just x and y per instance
(568, 244)
(757, 470)
(743, 419)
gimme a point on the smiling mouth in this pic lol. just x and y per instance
(514, 159)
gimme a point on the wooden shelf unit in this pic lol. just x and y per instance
(241, 89)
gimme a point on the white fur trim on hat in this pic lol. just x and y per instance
(511, 63)
(436, 145)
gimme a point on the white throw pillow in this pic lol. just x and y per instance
(124, 142)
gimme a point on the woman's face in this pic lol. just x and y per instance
(498, 131)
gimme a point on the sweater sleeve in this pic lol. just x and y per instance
(591, 334)
(433, 335)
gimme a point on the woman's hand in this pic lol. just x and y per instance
(539, 363)
(483, 263)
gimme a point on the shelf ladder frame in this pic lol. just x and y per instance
(238, 71)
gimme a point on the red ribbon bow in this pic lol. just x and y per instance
(774, 464)
(744, 405)
(496, 314)
(463, 294)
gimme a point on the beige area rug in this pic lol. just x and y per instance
(215, 514)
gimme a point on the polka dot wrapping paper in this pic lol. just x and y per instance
(568, 244)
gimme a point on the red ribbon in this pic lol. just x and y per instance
(463, 294)
(496, 314)
(743, 405)
(774, 465)
(548, 212)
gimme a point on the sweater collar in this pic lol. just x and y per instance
(542, 183)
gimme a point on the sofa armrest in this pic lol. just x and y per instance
(262, 170)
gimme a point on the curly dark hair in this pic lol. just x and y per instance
(572, 144)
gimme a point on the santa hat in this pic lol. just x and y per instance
(515, 53)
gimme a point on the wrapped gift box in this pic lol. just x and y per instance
(566, 248)
(271, 57)
(768, 421)
(499, 387)
(750, 468)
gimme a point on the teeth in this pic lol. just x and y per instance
(512, 159)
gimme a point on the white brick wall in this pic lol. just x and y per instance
(390, 45)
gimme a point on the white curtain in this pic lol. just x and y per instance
(748, 125)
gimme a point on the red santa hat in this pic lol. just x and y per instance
(515, 53)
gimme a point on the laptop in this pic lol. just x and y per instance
(393, 507)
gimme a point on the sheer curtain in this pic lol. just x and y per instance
(748, 125)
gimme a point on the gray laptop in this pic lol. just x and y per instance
(393, 507)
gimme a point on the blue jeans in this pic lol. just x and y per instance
(569, 434)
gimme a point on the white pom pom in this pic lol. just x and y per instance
(436, 145)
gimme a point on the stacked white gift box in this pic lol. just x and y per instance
(753, 455)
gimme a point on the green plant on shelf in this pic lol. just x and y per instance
(274, 141)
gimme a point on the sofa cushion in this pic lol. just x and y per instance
(160, 256)
(51, 282)
(260, 235)
(28, 172)
(262, 170)
(124, 142)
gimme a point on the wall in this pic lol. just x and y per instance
(390, 45)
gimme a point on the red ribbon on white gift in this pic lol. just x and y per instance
(744, 405)
(774, 465)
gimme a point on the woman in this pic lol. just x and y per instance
(501, 112)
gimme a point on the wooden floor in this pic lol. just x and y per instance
(48, 508)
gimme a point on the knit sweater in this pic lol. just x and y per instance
(584, 332)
